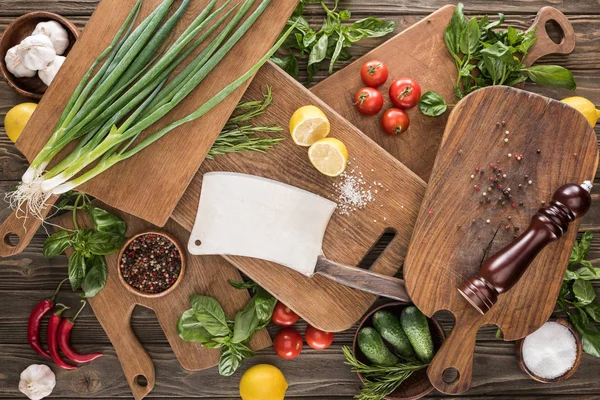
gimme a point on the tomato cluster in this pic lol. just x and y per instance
(404, 93)
(288, 342)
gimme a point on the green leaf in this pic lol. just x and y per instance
(495, 24)
(211, 315)
(312, 70)
(104, 221)
(593, 310)
(345, 15)
(95, 276)
(56, 244)
(246, 323)
(551, 75)
(191, 330)
(232, 357)
(469, 37)
(319, 51)
(103, 243)
(590, 336)
(243, 285)
(512, 35)
(370, 28)
(499, 51)
(588, 274)
(76, 269)
(288, 63)
(338, 49)
(432, 104)
(265, 304)
(454, 29)
(584, 291)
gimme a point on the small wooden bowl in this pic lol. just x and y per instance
(569, 373)
(181, 273)
(418, 384)
(18, 30)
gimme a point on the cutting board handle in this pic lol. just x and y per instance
(17, 231)
(545, 46)
(451, 370)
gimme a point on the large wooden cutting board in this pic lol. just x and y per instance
(454, 233)
(320, 301)
(150, 184)
(205, 275)
(419, 52)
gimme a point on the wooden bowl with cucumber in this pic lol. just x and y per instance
(398, 335)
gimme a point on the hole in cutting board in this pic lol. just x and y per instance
(554, 31)
(198, 242)
(141, 380)
(377, 249)
(450, 375)
(12, 239)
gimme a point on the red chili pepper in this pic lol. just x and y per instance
(53, 324)
(35, 319)
(64, 336)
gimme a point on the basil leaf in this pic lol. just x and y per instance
(345, 15)
(499, 51)
(587, 274)
(265, 304)
(76, 269)
(338, 49)
(103, 243)
(584, 291)
(288, 63)
(495, 24)
(593, 310)
(453, 30)
(590, 336)
(319, 51)
(309, 38)
(312, 70)
(57, 243)
(95, 276)
(231, 358)
(243, 285)
(432, 104)
(104, 221)
(512, 35)
(469, 37)
(190, 329)
(246, 323)
(211, 315)
(370, 28)
(551, 75)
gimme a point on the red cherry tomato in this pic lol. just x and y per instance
(368, 101)
(374, 73)
(405, 93)
(287, 343)
(318, 339)
(395, 121)
(283, 316)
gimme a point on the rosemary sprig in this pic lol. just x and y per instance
(379, 380)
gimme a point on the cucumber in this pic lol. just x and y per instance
(388, 326)
(372, 346)
(415, 325)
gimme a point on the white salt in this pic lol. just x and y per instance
(551, 351)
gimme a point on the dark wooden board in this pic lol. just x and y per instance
(114, 305)
(455, 233)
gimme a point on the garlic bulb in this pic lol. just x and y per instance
(57, 34)
(14, 64)
(48, 73)
(37, 381)
(36, 51)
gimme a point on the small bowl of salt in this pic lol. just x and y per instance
(552, 353)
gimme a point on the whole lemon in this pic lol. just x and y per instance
(263, 382)
(584, 106)
(17, 118)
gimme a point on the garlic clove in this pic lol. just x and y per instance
(37, 381)
(48, 73)
(57, 34)
(15, 66)
(36, 51)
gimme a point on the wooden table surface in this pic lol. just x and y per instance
(27, 278)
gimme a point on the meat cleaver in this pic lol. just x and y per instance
(251, 216)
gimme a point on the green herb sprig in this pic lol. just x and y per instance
(577, 297)
(330, 43)
(380, 381)
(485, 56)
(87, 266)
(206, 323)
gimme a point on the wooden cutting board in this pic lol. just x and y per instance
(113, 306)
(397, 194)
(419, 52)
(454, 233)
(150, 184)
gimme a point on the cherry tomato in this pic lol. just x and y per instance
(283, 316)
(368, 101)
(287, 343)
(318, 339)
(405, 93)
(374, 73)
(395, 121)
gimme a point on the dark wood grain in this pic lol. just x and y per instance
(28, 277)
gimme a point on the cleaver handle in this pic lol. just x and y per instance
(366, 281)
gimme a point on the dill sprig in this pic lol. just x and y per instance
(380, 381)
(237, 138)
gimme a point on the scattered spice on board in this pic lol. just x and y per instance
(151, 263)
(551, 351)
(353, 191)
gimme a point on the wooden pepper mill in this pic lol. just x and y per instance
(504, 269)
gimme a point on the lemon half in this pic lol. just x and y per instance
(17, 118)
(308, 125)
(329, 156)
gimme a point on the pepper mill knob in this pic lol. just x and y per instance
(504, 269)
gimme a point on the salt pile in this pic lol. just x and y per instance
(551, 351)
